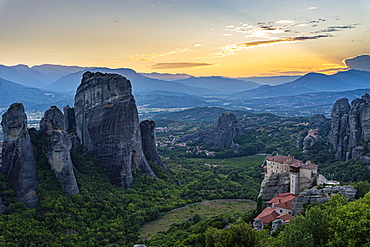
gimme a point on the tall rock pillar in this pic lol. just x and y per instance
(107, 123)
(57, 145)
(149, 142)
(19, 163)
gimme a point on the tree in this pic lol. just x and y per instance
(240, 234)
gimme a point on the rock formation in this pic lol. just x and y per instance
(273, 185)
(350, 124)
(321, 196)
(312, 137)
(108, 125)
(148, 140)
(318, 121)
(57, 145)
(69, 119)
(227, 128)
(19, 164)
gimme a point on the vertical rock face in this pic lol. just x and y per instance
(350, 124)
(339, 123)
(318, 121)
(149, 142)
(69, 119)
(108, 125)
(227, 128)
(19, 164)
(57, 145)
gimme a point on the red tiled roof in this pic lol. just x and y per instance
(292, 162)
(283, 159)
(285, 217)
(267, 215)
(284, 200)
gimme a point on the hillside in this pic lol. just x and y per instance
(311, 83)
(200, 114)
(221, 84)
(34, 99)
(140, 84)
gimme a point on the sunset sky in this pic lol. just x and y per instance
(236, 38)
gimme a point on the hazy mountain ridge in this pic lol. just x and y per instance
(32, 98)
(222, 84)
(311, 83)
(140, 84)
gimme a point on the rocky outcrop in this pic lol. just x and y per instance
(69, 119)
(318, 121)
(107, 124)
(312, 137)
(148, 140)
(321, 196)
(18, 161)
(223, 135)
(57, 145)
(350, 124)
(273, 185)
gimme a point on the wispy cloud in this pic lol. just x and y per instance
(337, 28)
(277, 32)
(325, 68)
(231, 49)
(179, 65)
(150, 57)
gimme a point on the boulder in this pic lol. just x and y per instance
(57, 144)
(107, 124)
(18, 161)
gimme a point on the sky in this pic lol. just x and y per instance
(234, 38)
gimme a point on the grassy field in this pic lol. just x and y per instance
(235, 161)
(204, 209)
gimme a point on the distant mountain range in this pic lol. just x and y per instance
(312, 83)
(222, 84)
(40, 86)
(32, 98)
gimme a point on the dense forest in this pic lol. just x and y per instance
(105, 215)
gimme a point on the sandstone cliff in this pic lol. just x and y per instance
(57, 145)
(149, 142)
(227, 128)
(350, 128)
(19, 164)
(108, 125)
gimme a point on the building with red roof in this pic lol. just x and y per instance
(280, 207)
(301, 174)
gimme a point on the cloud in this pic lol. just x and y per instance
(231, 49)
(179, 65)
(150, 57)
(336, 28)
(270, 33)
(361, 62)
(325, 68)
